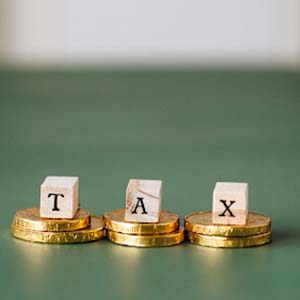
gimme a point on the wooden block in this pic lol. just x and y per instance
(59, 197)
(143, 200)
(230, 203)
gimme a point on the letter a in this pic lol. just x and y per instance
(139, 203)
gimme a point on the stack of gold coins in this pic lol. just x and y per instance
(28, 225)
(201, 231)
(164, 233)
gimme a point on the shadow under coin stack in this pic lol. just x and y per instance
(82, 227)
(141, 224)
(229, 225)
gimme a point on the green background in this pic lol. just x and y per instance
(189, 128)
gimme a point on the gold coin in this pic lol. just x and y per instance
(201, 223)
(95, 232)
(156, 240)
(229, 242)
(114, 220)
(29, 219)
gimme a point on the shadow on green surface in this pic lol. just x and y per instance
(286, 236)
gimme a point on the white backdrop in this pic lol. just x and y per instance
(96, 32)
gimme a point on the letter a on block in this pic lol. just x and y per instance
(230, 203)
(143, 201)
(59, 197)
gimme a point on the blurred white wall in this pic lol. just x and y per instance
(97, 32)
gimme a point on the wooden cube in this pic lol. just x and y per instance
(143, 200)
(59, 197)
(230, 203)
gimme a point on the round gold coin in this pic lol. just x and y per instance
(114, 221)
(95, 232)
(29, 219)
(201, 222)
(229, 242)
(156, 240)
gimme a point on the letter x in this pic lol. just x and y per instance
(227, 208)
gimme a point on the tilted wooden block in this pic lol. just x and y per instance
(143, 200)
(230, 203)
(59, 197)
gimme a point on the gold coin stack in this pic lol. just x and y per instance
(201, 231)
(28, 225)
(164, 233)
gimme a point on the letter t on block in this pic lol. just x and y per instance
(59, 197)
(143, 201)
(230, 203)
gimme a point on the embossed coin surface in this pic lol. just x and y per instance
(157, 240)
(94, 232)
(229, 242)
(114, 220)
(201, 222)
(29, 218)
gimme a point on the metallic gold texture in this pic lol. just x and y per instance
(157, 240)
(95, 232)
(114, 220)
(201, 222)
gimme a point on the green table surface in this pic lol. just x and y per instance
(189, 128)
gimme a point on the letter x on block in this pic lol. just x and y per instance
(230, 203)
